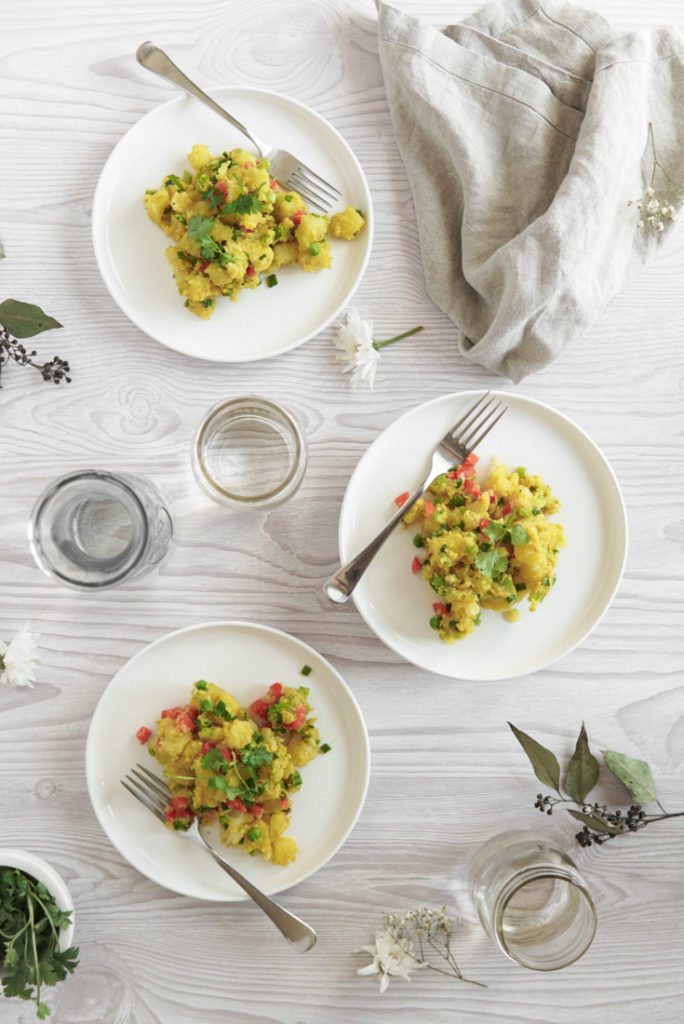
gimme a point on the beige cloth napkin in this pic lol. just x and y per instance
(525, 133)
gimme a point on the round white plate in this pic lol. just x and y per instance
(397, 605)
(129, 248)
(243, 658)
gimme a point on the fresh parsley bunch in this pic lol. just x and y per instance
(30, 923)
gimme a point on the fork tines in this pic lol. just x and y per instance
(149, 789)
(478, 421)
(313, 188)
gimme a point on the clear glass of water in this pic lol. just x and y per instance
(93, 529)
(532, 901)
(249, 453)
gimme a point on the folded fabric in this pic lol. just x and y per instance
(525, 132)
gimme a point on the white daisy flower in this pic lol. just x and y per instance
(390, 958)
(358, 351)
(18, 659)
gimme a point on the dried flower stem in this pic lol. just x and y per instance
(56, 370)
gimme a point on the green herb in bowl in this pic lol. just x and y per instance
(31, 922)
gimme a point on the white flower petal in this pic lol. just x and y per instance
(19, 659)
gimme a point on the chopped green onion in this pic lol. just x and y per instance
(306, 670)
(324, 748)
(271, 281)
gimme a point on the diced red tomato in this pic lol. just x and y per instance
(274, 185)
(416, 565)
(170, 814)
(191, 710)
(236, 804)
(299, 718)
(492, 498)
(506, 509)
(284, 803)
(257, 810)
(181, 805)
(429, 509)
(221, 187)
(203, 265)
(401, 499)
(439, 608)
(171, 712)
(297, 216)
(143, 734)
(250, 271)
(452, 474)
(184, 723)
(259, 708)
(483, 524)
(206, 746)
(275, 691)
(470, 487)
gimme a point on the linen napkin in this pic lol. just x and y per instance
(525, 134)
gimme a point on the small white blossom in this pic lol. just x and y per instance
(356, 349)
(659, 203)
(18, 659)
(390, 958)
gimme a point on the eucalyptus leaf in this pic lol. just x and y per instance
(583, 770)
(635, 776)
(596, 822)
(23, 320)
(543, 761)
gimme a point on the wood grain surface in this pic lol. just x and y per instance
(446, 772)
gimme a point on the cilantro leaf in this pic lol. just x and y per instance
(519, 535)
(249, 202)
(491, 563)
(199, 229)
(30, 921)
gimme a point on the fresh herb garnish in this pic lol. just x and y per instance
(249, 202)
(24, 320)
(246, 785)
(30, 923)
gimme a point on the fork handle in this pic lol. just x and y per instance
(298, 932)
(155, 60)
(339, 588)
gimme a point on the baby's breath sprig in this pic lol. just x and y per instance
(660, 202)
(408, 939)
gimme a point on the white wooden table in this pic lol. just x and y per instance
(446, 772)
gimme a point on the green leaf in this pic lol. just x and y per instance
(519, 535)
(23, 320)
(2, 251)
(491, 563)
(635, 776)
(247, 203)
(596, 822)
(543, 761)
(199, 229)
(583, 770)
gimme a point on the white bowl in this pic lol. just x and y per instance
(30, 864)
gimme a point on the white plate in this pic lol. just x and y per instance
(397, 605)
(243, 658)
(129, 248)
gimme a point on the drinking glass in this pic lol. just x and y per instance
(532, 901)
(249, 453)
(94, 529)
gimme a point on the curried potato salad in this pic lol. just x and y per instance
(491, 547)
(233, 226)
(237, 766)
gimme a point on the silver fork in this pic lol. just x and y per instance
(285, 167)
(153, 792)
(455, 446)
